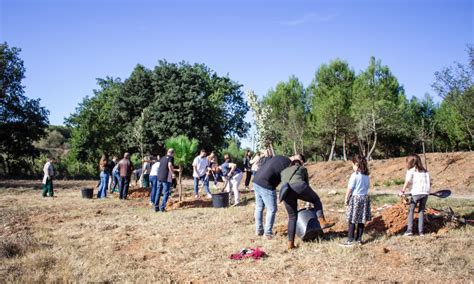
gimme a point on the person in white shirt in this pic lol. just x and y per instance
(154, 178)
(47, 181)
(419, 179)
(146, 168)
(200, 172)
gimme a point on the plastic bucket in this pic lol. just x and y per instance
(308, 227)
(220, 200)
(87, 193)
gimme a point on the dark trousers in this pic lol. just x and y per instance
(302, 191)
(352, 233)
(419, 200)
(248, 177)
(48, 188)
(124, 184)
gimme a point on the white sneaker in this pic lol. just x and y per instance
(408, 234)
(209, 195)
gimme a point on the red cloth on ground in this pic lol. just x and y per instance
(255, 253)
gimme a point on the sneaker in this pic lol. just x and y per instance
(408, 234)
(197, 197)
(359, 243)
(259, 234)
(269, 237)
(209, 195)
(421, 235)
(347, 244)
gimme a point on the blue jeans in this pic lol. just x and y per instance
(265, 197)
(124, 184)
(104, 184)
(154, 185)
(163, 186)
(205, 181)
(116, 180)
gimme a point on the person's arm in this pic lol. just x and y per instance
(232, 169)
(408, 179)
(305, 175)
(350, 187)
(171, 168)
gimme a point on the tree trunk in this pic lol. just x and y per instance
(369, 155)
(344, 147)
(333, 146)
(361, 147)
(271, 149)
(180, 183)
(294, 147)
(424, 154)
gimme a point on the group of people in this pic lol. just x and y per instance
(269, 172)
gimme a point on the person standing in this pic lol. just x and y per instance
(165, 172)
(110, 169)
(200, 169)
(267, 178)
(47, 181)
(125, 169)
(104, 177)
(247, 168)
(154, 179)
(146, 172)
(115, 177)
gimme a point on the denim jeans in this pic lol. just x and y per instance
(265, 197)
(124, 184)
(154, 185)
(116, 181)
(205, 181)
(104, 183)
(163, 186)
(421, 200)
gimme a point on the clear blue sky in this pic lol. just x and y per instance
(67, 44)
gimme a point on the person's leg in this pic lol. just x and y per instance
(159, 189)
(51, 190)
(166, 194)
(291, 206)
(351, 232)
(205, 181)
(121, 187)
(101, 185)
(45, 188)
(153, 181)
(259, 205)
(127, 184)
(235, 182)
(248, 176)
(146, 180)
(411, 211)
(421, 210)
(196, 186)
(306, 193)
(269, 199)
(360, 231)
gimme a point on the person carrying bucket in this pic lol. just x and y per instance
(232, 176)
(295, 185)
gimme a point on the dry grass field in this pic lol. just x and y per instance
(73, 239)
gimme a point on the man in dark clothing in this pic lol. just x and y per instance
(125, 168)
(265, 182)
(247, 168)
(165, 173)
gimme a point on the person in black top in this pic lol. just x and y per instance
(265, 182)
(247, 168)
(165, 173)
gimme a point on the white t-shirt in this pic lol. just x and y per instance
(201, 165)
(154, 169)
(420, 182)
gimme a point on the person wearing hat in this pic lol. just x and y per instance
(294, 186)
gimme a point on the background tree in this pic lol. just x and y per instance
(22, 120)
(375, 109)
(184, 152)
(331, 92)
(288, 104)
(261, 113)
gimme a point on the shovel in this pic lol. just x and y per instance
(440, 193)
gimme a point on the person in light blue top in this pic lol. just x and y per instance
(357, 200)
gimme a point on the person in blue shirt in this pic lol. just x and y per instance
(357, 200)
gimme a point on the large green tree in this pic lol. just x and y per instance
(288, 106)
(22, 120)
(375, 106)
(331, 91)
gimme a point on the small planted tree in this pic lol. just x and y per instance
(184, 150)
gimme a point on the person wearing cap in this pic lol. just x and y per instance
(125, 169)
(294, 186)
(165, 173)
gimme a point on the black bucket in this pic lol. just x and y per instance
(220, 200)
(308, 227)
(87, 193)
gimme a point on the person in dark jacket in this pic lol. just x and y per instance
(125, 170)
(295, 178)
(247, 168)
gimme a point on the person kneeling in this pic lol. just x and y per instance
(295, 178)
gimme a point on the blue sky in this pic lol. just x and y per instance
(67, 44)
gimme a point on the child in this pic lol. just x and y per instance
(419, 179)
(357, 200)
